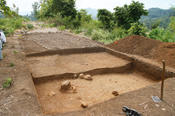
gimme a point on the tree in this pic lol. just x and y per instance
(83, 16)
(35, 6)
(106, 17)
(128, 14)
(66, 8)
(4, 9)
(121, 16)
(46, 8)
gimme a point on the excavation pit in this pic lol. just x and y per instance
(44, 66)
(91, 92)
(110, 71)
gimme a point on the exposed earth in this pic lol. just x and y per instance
(148, 48)
(43, 59)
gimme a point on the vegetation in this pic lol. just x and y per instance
(10, 20)
(107, 19)
(129, 14)
(9, 25)
(7, 83)
(108, 28)
(158, 16)
(111, 26)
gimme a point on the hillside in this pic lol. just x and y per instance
(157, 14)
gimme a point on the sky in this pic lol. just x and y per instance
(25, 6)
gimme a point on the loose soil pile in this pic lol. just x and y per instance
(147, 47)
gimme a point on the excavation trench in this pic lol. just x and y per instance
(110, 70)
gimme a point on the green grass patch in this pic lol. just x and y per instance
(11, 64)
(7, 83)
(9, 25)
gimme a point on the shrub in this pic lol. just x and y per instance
(9, 25)
(157, 33)
(7, 83)
(30, 26)
(62, 28)
(137, 29)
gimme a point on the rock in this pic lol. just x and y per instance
(88, 77)
(81, 76)
(74, 90)
(65, 85)
(84, 104)
(52, 93)
(115, 93)
(163, 109)
(75, 76)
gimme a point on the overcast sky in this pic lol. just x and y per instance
(25, 6)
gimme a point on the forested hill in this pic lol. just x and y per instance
(157, 15)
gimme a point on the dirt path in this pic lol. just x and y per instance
(20, 99)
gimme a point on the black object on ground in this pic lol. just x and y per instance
(130, 112)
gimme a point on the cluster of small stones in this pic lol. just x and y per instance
(66, 86)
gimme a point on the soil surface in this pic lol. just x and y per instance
(147, 48)
(75, 63)
(21, 98)
(60, 40)
(91, 92)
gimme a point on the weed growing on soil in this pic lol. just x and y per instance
(7, 83)
(30, 26)
(15, 52)
(12, 65)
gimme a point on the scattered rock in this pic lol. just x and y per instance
(115, 93)
(157, 105)
(52, 93)
(88, 77)
(75, 76)
(81, 76)
(65, 85)
(84, 105)
(145, 107)
(74, 90)
(163, 109)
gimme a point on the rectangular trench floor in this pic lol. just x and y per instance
(75, 63)
(91, 92)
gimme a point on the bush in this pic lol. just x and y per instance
(164, 35)
(9, 25)
(30, 26)
(62, 28)
(137, 29)
(7, 83)
(157, 33)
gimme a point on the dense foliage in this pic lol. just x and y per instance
(110, 26)
(106, 17)
(160, 17)
(129, 14)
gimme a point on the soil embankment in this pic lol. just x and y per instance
(146, 47)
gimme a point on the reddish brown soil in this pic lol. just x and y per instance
(21, 99)
(91, 92)
(147, 47)
(75, 63)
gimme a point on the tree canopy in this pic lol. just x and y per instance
(128, 14)
(106, 17)
(4, 8)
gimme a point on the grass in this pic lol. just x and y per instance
(9, 25)
(30, 26)
(11, 64)
(7, 83)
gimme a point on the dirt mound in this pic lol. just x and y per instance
(136, 45)
(146, 47)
